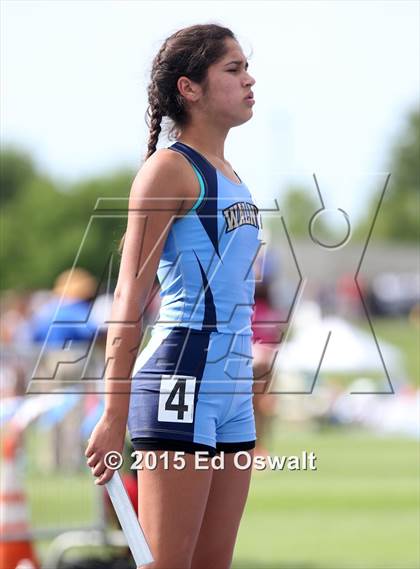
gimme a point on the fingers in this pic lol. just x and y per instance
(93, 459)
(96, 462)
(90, 449)
(98, 469)
(104, 477)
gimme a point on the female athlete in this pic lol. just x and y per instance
(192, 221)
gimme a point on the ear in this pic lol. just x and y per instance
(190, 90)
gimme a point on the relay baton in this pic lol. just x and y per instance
(128, 520)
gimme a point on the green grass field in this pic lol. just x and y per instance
(359, 509)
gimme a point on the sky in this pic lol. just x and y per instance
(335, 82)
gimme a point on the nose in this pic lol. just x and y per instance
(250, 80)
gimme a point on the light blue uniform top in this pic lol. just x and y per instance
(206, 267)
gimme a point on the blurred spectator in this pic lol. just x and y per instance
(327, 298)
(14, 339)
(394, 293)
(266, 327)
(15, 312)
(65, 326)
(349, 302)
(69, 309)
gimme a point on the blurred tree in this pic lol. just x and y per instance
(16, 168)
(398, 217)
(44, 230)
(297, 208)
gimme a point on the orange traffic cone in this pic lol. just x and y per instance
(14, 515)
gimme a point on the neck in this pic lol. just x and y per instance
(211, 144)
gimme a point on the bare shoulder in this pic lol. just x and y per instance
(168, 174)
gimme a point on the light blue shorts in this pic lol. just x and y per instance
(192, 390)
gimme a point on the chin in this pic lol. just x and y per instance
(245, 119)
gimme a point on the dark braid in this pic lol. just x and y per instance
(154, 112)
(188, 52)
(155, 116)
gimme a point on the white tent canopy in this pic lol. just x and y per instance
(347, 349)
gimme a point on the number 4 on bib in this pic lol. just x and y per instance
(176, 398)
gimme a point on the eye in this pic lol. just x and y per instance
(232, 70)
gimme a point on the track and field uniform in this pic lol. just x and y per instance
(191, 386)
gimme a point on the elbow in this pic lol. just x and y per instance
(118, 293)
(131, 296)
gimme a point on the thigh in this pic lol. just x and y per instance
(171, 508)
(227, 498)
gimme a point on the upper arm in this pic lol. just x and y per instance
(158, 195)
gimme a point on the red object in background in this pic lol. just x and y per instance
(130, 484)
(266, 322)
(346, 286)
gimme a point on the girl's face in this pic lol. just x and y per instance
(228, 88)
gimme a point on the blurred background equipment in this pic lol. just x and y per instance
(16, 548)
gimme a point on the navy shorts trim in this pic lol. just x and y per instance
(154, 443)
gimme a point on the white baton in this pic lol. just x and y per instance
(128, 520)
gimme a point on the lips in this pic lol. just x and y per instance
(250, 95)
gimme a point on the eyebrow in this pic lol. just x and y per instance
(239, 63)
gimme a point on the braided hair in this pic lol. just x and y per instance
(188, 52)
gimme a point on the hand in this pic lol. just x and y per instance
(108, 435)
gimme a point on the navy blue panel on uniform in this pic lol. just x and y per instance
(181, 354)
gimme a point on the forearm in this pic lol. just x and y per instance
(122, 344)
